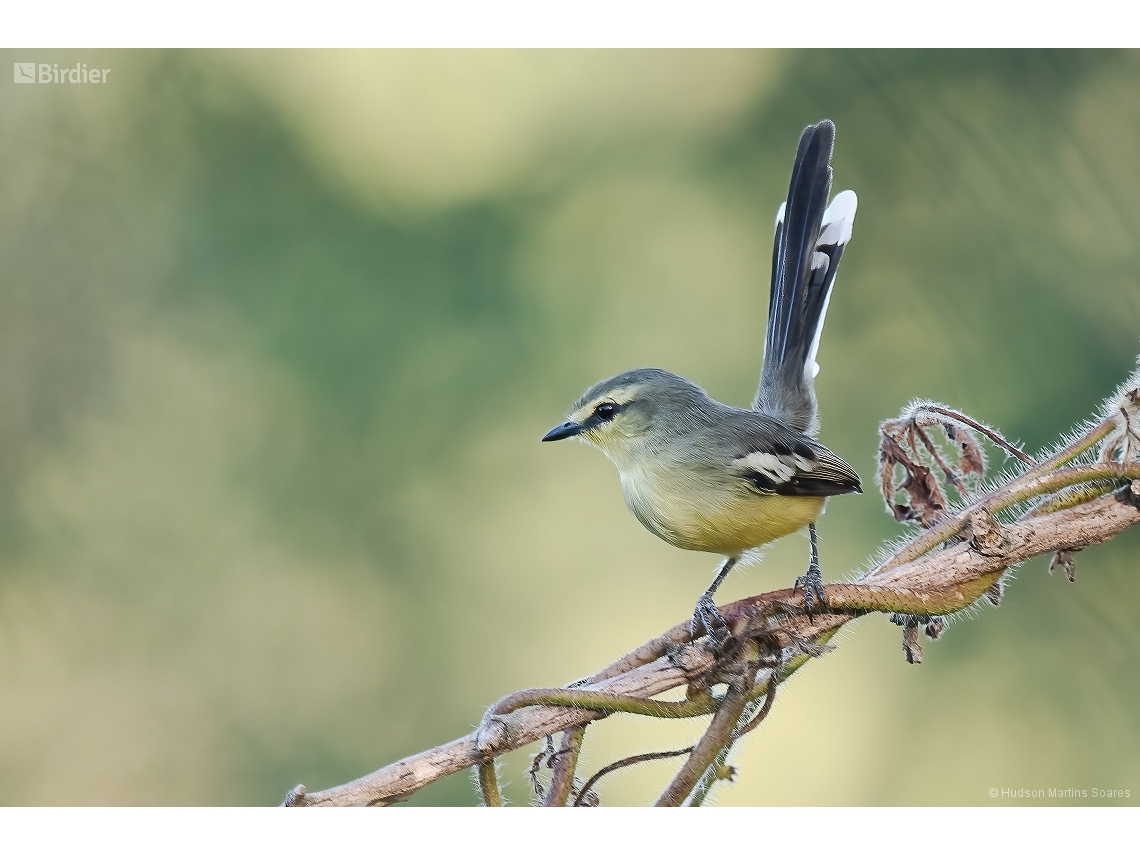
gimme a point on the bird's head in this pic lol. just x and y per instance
(630, 410)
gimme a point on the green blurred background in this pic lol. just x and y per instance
(279, 332)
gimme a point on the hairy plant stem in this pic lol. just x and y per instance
(562, 781)
(988, 432)
(712, 742)
(601, 702)
(1085, 442)
(1070, 497)
(862, 598)
(1035, 482)
(489, 783)
(718, 770)
(621, 764)
(711, 775)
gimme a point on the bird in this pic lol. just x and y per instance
(710, 477)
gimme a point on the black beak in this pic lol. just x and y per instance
(563, 431)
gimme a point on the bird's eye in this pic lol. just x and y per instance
(606, 411)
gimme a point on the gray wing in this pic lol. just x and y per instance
(774, 459)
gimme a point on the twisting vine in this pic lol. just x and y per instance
(1082, 493)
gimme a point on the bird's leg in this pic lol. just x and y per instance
(812, 581)
(707, 614)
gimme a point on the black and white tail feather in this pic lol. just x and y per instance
(810, 238)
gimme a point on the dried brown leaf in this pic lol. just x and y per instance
(902, 513)
(890, 453)
(927, 502)
(970, 458)
(911, 647)
(951, 477)
(887, 480)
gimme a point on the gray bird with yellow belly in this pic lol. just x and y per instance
(713, 478)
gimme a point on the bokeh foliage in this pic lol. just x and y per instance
(279, 332)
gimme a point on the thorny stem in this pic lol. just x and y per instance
(621, 764)
(989, 433)
(562, 781)
(1026, 486)
(1083, 443)
(1070, 497)
(489, 784)
(953, 525)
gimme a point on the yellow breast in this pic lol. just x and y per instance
(710, 514)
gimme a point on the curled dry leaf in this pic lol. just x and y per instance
(904, 442)
(887, 475)
(926, 502)
(911, 647)
(970, 458)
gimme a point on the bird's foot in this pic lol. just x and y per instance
(708, 616)
(812, 583)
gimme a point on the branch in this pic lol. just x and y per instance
(1077, 506)
(712, 742)
(489, 784)
(562, 781)
(588, 787)
(936, 585)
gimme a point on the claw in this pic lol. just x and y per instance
(708, 616)
(812, 583)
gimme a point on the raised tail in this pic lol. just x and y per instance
(810, 237)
